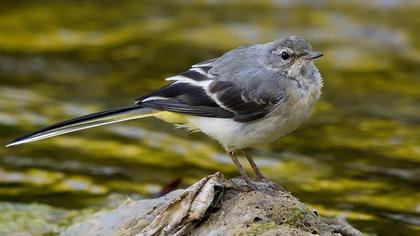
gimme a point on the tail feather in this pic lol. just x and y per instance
(84, 122)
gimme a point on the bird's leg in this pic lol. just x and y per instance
(241, 170)
(259, 174)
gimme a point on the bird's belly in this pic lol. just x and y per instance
(237, 135)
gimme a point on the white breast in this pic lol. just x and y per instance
(284, 119)
(237, 135)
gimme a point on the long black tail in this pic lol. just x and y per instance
(84, 122)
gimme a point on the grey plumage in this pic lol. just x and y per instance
(249, 95)
(246, 82)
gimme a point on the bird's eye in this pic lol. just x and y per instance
(285, 55)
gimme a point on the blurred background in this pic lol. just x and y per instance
(357, 156)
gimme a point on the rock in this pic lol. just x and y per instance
(214, 206)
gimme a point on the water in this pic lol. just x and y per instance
(358, 155)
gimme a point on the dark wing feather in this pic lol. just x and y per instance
(232, 98)
(200, 92)
(197, 110)
(184, 98)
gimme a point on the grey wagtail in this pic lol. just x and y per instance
(250, 95)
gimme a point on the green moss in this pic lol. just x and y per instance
(294, 217)
(260, 227)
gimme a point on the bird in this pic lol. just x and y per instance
(250, 95)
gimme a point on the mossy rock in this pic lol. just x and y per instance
(212, 206)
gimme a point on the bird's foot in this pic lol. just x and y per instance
(242, 184)
(247, 185)
(252, 186)
(265, 183)
(262, 178)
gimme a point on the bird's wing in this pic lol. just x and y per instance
(200, 92)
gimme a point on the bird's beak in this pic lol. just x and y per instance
(312, 55)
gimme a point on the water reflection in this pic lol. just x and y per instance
(359, 155)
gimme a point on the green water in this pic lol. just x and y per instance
(358, 155)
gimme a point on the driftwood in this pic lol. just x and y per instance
(214, 206)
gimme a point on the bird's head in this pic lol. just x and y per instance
(290, 55)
